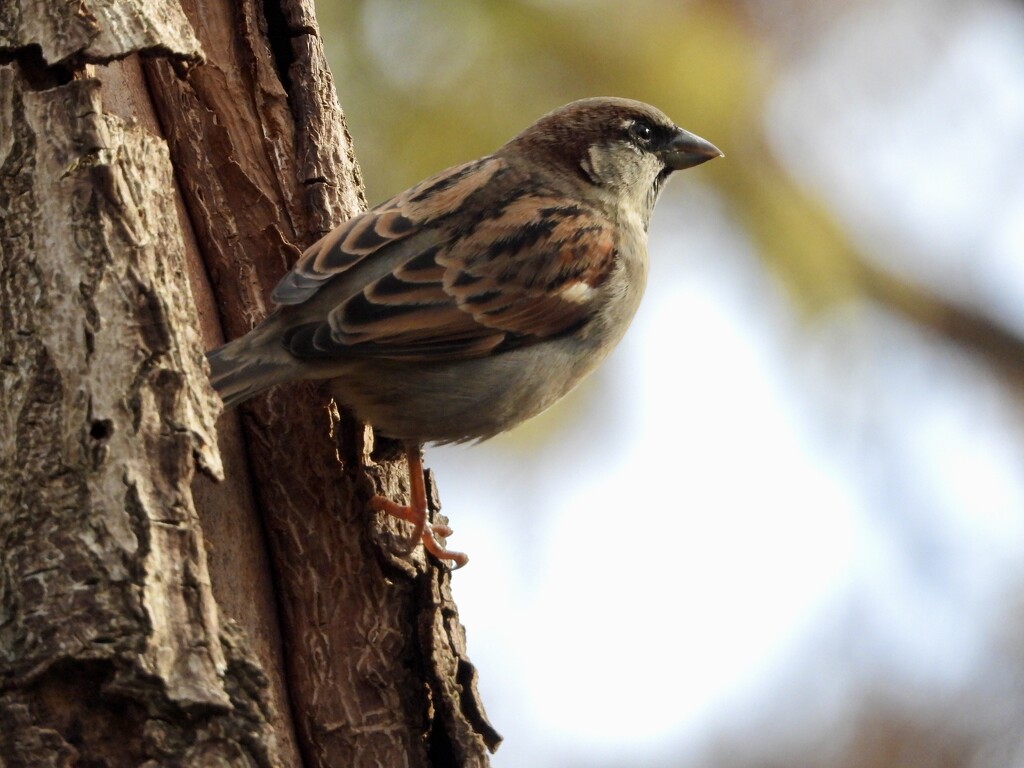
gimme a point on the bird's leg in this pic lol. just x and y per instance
(416, 512)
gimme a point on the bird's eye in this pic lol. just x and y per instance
(641, 132)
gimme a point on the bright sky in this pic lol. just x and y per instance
(848, 495)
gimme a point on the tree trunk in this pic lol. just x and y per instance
(155, 182)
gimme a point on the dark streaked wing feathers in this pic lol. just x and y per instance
(520, 269)
(387, 224)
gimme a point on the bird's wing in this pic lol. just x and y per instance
(422, 206)
(519, 271)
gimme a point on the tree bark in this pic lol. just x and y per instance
(160, 167)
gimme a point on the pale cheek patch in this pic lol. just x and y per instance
(577, 293)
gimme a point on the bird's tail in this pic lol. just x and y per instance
(247, 366)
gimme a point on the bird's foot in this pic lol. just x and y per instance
(427, 533)
(416, 513)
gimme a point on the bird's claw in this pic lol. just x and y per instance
(424, 532)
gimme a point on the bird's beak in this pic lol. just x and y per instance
(686, 150)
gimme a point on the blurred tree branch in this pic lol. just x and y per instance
(966, 328)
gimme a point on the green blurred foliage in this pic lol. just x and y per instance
(429, 84)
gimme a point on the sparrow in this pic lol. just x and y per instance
(479, 297)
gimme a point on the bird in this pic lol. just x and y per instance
(477, 298)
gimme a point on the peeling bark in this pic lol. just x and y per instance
(98, 30)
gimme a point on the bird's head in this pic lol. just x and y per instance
(623, 147)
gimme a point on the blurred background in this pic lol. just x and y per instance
(784, 525)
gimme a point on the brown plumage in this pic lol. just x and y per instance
(477, 298)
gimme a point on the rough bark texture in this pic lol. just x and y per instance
(112, 646)
(100, 30)
(366, 687)
(106, 612)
